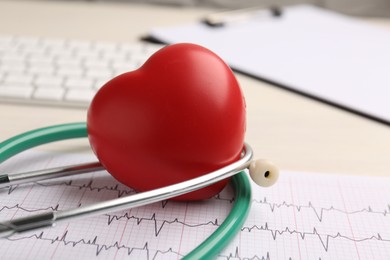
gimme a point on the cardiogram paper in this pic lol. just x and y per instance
(303, 216)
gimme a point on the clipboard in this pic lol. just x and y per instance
(330, 57)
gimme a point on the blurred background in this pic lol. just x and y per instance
(379, 8)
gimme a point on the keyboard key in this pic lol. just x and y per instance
(82, 83)
(22, 79)
(42, 69)
(33, 50)
(13, 57)
(40, 58)
(68, 61)
(70, 72)
(13, 68)
(115, 56)
(96, 64)
(22, 92)
(98, 73)
(120, 63)
(79, 95)
(46, 93)
(87, 54)
(49, 81)
(61, 52)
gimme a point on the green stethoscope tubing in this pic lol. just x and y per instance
(208, 248)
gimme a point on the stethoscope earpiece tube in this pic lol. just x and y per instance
(217, 241)
(41, 136)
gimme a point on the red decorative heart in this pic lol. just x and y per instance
(179, 116)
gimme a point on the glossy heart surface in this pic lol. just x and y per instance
(179, 116)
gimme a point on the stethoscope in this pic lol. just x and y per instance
(262, 172)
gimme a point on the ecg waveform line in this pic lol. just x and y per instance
(88, 186)
(99, 247)
(236, 256)
(303, 235)
(17, 206)
(158, 228)
(139, 220)
(274, 232)
(10, 189)
(319, 211)
(323, 238)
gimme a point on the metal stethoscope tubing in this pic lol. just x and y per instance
(140, 199)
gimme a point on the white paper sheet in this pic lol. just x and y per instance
(304, 216)
(331, 57)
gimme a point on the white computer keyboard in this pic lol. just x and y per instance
(63, 72)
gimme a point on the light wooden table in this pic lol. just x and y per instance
(295, 132)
